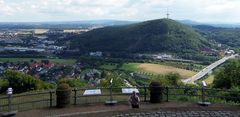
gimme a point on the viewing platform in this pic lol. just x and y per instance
(170, 109)
(177, 101)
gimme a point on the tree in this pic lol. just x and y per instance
(117, 80)
(170, 79)
(45, 61)
(173, 79)
(228, 77)
(3, 85)
(73, 82)
(21, 82)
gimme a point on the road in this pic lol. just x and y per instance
(208, 69)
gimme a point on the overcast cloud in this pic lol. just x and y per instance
(217, 11)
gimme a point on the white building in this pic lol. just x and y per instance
(98, 54)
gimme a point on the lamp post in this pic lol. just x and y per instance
(111, 101)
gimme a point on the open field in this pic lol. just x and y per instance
(108, 66)
(163, 69)
(209, 79)
(130, 66)
(40, 31)
(56, 61)
(151, 68)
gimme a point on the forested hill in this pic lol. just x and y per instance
(162, 35)
(226, 36)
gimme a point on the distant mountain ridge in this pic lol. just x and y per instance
(102, 23)
(220, 25)
(64, 24)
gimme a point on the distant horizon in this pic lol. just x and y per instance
(66, 21)
(214, 11)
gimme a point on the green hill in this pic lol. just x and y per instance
(162, 35)
(225, 36)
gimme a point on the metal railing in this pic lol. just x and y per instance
(27, 101)
(44, 99)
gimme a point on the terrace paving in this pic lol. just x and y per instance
(182, 114)
(165, 109)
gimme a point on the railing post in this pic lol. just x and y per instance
(9, 93)
(10, 102)
(111, 97)
(75, 96)
(51, 98)
(167, 92)
(145, 93)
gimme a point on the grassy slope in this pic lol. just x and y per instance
(108, 66)
(210, 79)
(130, 66)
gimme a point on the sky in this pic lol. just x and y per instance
(214, 11)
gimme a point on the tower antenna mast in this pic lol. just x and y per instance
(168, 14)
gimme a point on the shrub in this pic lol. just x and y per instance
(183, 99)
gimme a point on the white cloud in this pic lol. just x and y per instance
(56, 10)
(5, 9)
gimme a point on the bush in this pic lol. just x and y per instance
(183, 99)
(3, 85)
(174, 79)
(170, 79)
(228, 77)
(190, 90)
(73, 82)
(21, 82)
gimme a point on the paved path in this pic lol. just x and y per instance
(208, 69)
(182, 114)
(165, 109)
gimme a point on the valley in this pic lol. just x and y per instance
(132, 52)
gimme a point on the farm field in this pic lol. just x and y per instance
(130, 66)
(40, 31)
(151, 68)
(163, 69)
(56, 61)
(108, 66)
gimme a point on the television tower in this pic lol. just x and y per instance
(168, 14)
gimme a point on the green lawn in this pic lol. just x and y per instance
(209, 79)
(130, 66)
(126, 66)
(108, 66)
(56, 61)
